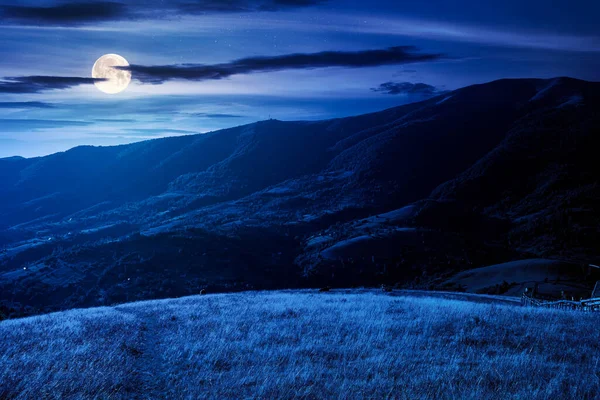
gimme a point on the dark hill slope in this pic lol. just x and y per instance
(374, 169)
(533, 195)
(231, 163)
(543, 178)
(506, 170)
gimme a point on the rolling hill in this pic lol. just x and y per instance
(282, 344)
(412, 195)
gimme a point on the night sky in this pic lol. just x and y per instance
(198, 66)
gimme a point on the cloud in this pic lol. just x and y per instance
(208, 115)
(81, 13)
(64, 14)
(115, 120)
(206, 6)
(36, 84)
(25, 104)
(28, 125)
(408, 88)
(158, 74)
(519, 36)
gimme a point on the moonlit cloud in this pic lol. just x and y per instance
(37, 84)
(30, 125)
(25, 104)
(157, 74)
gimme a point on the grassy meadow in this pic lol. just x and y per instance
(303, 344)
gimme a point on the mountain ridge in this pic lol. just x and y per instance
(285, 204)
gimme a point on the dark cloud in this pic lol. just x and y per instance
(36, 84)
(197, 72)
(421, 89)
(64, 14)
(25, 104)
(207, 115)
(81, 12)
(276, 5)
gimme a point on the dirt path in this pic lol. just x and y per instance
(148, 371)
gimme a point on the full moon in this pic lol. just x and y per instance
(117, 80)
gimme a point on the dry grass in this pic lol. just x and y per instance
(302, 345)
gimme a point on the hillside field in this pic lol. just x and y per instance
(304, 344)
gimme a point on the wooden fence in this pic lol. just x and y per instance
(588, 305)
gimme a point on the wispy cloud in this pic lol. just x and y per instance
(36, 84)
(25, 104)
(28, 125)
(208, 115)
(115, 120)
(75, 13)
(469, 33)
(156, 74)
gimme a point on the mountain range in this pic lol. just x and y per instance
(415, 195)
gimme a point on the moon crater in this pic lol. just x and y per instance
(116, 80)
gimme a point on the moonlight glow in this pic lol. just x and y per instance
(117, 80)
